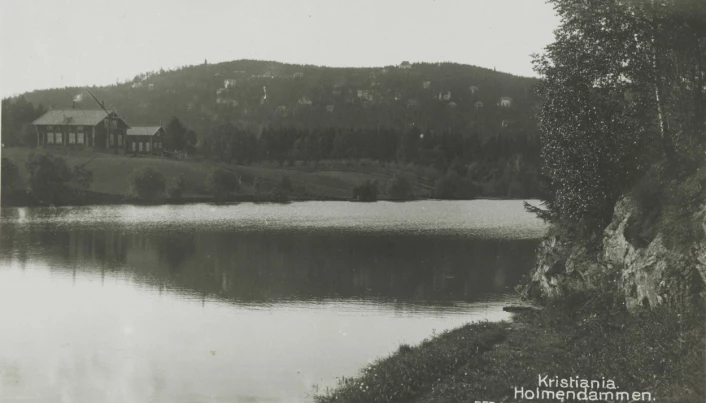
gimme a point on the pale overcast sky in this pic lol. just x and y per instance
(57, 43)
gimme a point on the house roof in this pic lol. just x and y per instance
(72, 117)
(143, 130)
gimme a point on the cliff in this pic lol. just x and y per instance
(646, 273)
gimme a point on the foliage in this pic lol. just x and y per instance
(49, 177)
(366, 191)
(10, 174)
(283, 189)
(454, 186)
(179, 138)
(588, 334)
(17, 116)
(176, 188)
(616, 74)
(398, 188)
(147, 184)
(81, 179)
(221, 183)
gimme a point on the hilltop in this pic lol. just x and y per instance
(255, 93)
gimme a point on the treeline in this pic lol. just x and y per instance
(504, 163)
(17, 117)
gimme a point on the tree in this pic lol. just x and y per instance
(175, 137)
(614, 78)
(81, 179)
(283, 189)
(147, 184)
(221, 183)
(366, 191)
(10, 174)
(398, 188)
(176, 187)
(48, 177)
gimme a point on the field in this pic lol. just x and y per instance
(333, 180)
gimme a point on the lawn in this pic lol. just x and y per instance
(111, 173)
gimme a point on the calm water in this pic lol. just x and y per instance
(242, 303)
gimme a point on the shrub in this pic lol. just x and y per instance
(147, 184)
(48, 177)
(398, 188)
(221, 183)
(176, 187)
(366, 191)
(453, 186)
(10, 174)
(81, 180)
(283, 189)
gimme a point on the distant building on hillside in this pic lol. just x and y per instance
(478, 104)
(229, 83)
(298, 75)
(405, 65)
(505, 102)
(81, 128)
(365, 95)
(473, 89)
(145, 140)
(304, 101)
(445, 96)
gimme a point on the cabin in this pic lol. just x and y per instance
(478, 104)
(445, 96)
(81, 128)
(505, 102)
(229, 83)
(145, 140)
(473, 89)
(304, 101)
(405, 65)
(298, 75)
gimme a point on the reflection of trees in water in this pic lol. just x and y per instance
(259, 265)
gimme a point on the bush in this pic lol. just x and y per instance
(453, 186)
(398, 188)
(366, 191)
(81, 180)
(10, 174)
(176, 187)
(147, 184)
(221, 183)
(283, 189)
(48, 177)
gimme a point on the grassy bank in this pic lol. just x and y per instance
(660, 352)
(326, 181)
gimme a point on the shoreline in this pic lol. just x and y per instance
(495, 361)
(23, 198)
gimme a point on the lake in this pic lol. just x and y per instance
(241, 303)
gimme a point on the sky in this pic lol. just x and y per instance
(58, 43)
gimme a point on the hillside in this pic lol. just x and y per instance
(253, 93)
(455, 119)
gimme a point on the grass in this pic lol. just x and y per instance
(662, 352)
(326, 181)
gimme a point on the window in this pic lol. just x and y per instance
(57, 138)
(134, 146)
(50, 138)
(141, 146)
(79, 137)
(114, 124)
(72, 138)
(147, 146)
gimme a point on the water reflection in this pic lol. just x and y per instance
(283, 265)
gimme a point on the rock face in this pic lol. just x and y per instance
(646, 275)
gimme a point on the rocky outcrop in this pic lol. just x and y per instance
(645, 274)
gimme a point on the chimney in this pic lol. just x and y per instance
(74, 104)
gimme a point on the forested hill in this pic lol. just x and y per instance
(474, 124)
(252, 93)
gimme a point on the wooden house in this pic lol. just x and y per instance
(81, 128)
(145, 140)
